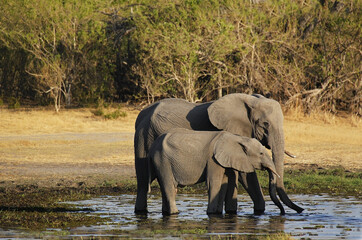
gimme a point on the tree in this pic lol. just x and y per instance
(58, 35)
(180, 49)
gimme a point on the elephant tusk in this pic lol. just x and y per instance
(274, 172)
(289, 154)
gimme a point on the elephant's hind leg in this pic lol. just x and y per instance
(168, 189)
(142, 185)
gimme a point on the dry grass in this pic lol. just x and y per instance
(29, 122)
(324, 139)
(39, 143)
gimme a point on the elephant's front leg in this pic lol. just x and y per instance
(231, 202)
(251, 184)
(217, 188)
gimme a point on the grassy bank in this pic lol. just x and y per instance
(41, 210)
(334, 181)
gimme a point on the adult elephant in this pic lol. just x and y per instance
(246, 115)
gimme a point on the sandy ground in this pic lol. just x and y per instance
(325, 145)
(74, 147)
(66, 157)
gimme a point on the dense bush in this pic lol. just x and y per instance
(304, 53)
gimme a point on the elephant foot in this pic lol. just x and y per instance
(141, 212)
(259, 212)
(214, 213)
(231, 212)
(167, 213)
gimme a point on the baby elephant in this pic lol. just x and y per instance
(184, 157)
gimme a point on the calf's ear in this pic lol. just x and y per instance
(230, 152)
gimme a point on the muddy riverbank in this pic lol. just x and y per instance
(92, 214)
(71, 208)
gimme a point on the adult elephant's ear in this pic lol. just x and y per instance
(230, 113)
(230, 152)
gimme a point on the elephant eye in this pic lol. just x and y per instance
(266, 124)
(261, 154)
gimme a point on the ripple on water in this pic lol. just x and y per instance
(324, 217)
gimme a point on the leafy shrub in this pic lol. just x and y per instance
(115, 115)
(110, 115)
(98, 112)
(13, 103)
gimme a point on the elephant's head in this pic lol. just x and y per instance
(257, 117)
(245, 155)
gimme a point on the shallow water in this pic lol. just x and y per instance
(324, 217)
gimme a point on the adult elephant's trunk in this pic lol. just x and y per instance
(273, 193)
(277, 147)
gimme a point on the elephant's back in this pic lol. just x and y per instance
(145, 114)
(164, 105)
(170, 113)
(184, 143)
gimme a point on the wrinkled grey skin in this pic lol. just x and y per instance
(185, 157)
(251, 116)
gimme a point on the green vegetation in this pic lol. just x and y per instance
(303, 53)
(313, 181)
(42, 210)
(278, 236)
(335, 181)
(109, 114)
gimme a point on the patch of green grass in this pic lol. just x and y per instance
(115, 114)
(98, 112)
(109, 115)
(38, 209)
(13, 103)
(42, 210)
(276, 236)
(192, 229)
(179, 232)
(336, 181)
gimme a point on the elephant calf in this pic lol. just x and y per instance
(184, 157)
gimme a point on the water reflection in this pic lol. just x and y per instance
(325, 217)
